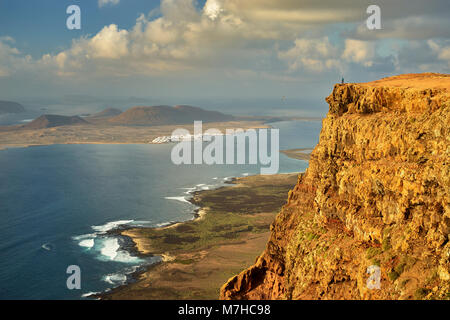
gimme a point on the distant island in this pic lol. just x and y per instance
(164, 115)
(107, 113)
(51, 120)
(140, 124)
(10, 107)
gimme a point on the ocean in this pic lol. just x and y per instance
(58, 202)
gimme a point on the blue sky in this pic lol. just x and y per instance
(250, 52)
(39, 27)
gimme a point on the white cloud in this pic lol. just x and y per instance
(441, 50)
(109, 43)
(359, 52)
(226, 35)
(316, 55)
(212, 9)
(8, 56)
(102, 3)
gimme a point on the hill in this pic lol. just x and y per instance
(166, 115)
(50, 120)
(10, 107)
(107, 113)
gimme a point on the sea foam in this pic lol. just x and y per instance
(88, 243)
(110, 248)
(182, 199)
(111, 225)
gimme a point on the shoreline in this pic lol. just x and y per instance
(132, 244)
(101, 134)
(182, 257)
(298, 153)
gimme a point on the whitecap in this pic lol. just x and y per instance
(47, 246)
(84, 236)
(110, 248)
(125, 257)
(88, 294)
(182, 199)
(88, 243)
(115, 278)
(190, 190)
(111, 225)
(163, 224)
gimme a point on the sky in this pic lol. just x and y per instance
(244, 55)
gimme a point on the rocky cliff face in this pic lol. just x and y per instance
(374, 198)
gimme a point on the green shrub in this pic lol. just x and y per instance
(421, 293)
(376, 262)
(311, 236)
(393, 275)
(400, 268)
(372, 252)
(386, 244)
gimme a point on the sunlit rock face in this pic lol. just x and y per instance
(376, 193)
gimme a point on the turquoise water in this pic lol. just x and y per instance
(57, 202)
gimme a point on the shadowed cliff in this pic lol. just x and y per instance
(376, 193)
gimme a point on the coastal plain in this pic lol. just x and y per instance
(231, 229)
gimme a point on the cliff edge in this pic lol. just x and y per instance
(375, 197)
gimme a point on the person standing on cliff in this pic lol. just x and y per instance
(342, 81)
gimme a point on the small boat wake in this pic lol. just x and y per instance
(48, 246)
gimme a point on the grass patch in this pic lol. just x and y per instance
(386, 244)
(393, 275)
(311, 236)
(375, 262)
(400, 268)
(372, 252)
(233, 212)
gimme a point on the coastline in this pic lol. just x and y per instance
(298, 153)
(136, 250)
(190, 250)
(15, 137)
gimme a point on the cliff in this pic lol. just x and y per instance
(375, 195)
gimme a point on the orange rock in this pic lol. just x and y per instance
(376, 192)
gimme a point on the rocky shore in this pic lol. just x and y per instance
(230, 230)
